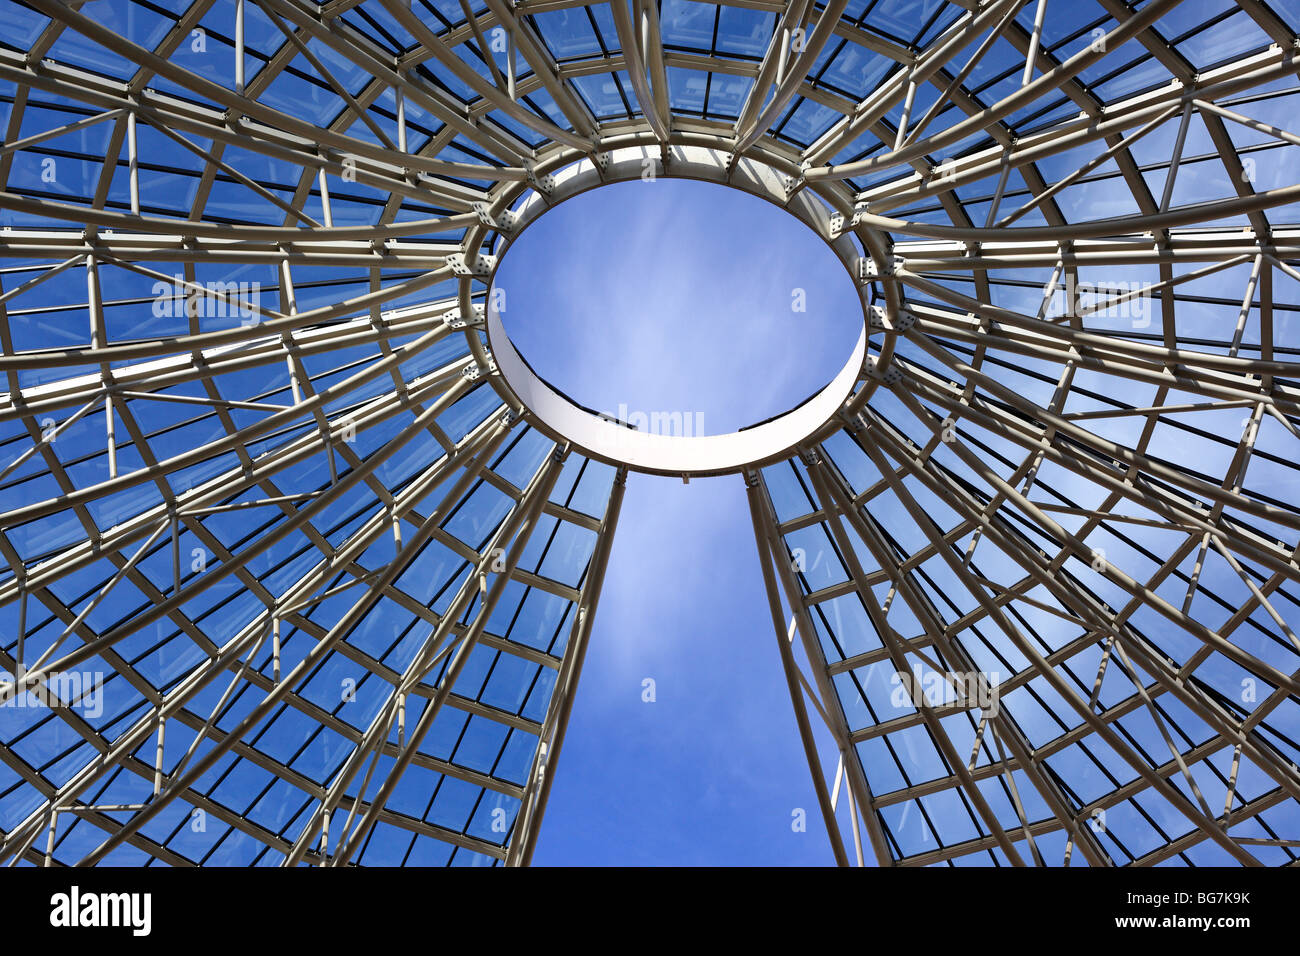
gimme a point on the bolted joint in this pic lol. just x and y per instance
(853, 421)
(544, 183)
(879, 320)
(475, 372)
(502, 222)
(868, 270)
(482, 267)
(889, 373)
(453, 319)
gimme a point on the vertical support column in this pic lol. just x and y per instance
(289, 305)
(239, 47)
(49, 837)
(20, 572)
(907, 111)
(110, 435)
(401, 119)
(174, 520)
(654, 56)
(99, 339)
(158, 755)
(510, 58)
(326, 213)
(1034, 40)
(133, 163)
(1177, 157)
(275, 649)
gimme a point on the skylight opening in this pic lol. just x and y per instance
(678, 306)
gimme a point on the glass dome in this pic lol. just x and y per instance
(303, 559)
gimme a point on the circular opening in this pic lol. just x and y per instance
(677, 305)
(615, 280)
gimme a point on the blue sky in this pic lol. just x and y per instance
(676, 295)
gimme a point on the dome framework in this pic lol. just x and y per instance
(299, 573)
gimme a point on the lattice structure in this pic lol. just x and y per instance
(300, 573)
